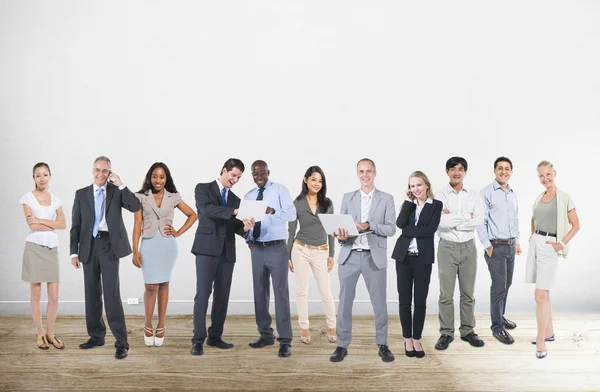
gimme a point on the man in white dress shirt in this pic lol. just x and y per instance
(457, 254)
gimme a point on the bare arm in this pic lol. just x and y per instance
(138, 221)
(33, 222)
(192, 217)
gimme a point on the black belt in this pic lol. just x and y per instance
(509, 241)
(541, 232)
(361, 250)
(102, 234)
(412, 254)
(269, 243)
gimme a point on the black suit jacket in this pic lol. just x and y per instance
(83, 220)
(423, 231)
(217, 225)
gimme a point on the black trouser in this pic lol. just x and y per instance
(218, 271)
(102, 272)
(408, 273)
(501, 266)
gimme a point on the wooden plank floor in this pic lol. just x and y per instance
(572, 364)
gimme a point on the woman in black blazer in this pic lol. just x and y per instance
(414, 254)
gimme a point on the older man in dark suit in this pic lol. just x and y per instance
(98, 241)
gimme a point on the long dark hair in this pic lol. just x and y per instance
(169, 184)
(322, 199)
(40, 164)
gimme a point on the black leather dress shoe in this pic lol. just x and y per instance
(509, 324)
(285, 350)
(410, 353)
(385, 354)
(504, 337)
(261, 342)
(89, 344)
(473, 340)
(121, 352)
(219, 343)
(339, 354)
(197, 349)
(443, 342)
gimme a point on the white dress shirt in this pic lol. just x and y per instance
(412, 247)
(365, 205)
(459, 225)
(102, 226)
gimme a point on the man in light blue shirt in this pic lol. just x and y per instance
(499, 235)
(267, 243)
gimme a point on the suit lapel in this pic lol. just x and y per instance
(374, 203)
(217, 192)
(230, 197)
(357, 206)
(89, 196)
(152, 202)
(425, 213)
(110, 191)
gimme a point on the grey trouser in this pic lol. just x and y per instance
(501, 266)
(271, 263)
(361, 263)
(457, 259)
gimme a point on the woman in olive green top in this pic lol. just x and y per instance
(311, 248)
(553, 225)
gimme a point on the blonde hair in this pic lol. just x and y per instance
(546, 164)
(422, 176)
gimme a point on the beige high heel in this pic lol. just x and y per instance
(148, 340)
(304, 339)
(331, 338)
(159, 341)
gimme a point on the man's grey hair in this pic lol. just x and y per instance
(102, 158)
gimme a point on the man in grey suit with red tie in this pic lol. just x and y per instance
(373, 211)
(98, 241)
(214, 247)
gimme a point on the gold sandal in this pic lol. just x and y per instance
(42, 343)
(56, 342)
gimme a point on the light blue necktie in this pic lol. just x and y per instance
(99, 210)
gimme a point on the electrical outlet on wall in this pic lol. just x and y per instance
(133, 301)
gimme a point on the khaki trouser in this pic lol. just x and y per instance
(457, 259)
(305, 259)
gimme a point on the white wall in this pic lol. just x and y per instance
(408, 84)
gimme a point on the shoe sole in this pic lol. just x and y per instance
(387, 360)
(467, 340)
(503, 341)
(338, 360)
(221, 347)
(261, 346)
(95, 345)
(550, 339)
(196, 353)
(444, 348)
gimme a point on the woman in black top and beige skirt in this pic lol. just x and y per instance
(414, 254)
(44, 214)
(311, 248)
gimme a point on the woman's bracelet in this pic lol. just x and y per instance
(562, 243)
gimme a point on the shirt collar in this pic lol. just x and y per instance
(451, 190)
(498, 186)
(428, 201)
(96, 187)
(369, 195)
(220, 185)
(268, 184)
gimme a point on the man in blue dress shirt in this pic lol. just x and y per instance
(500, 237)
(267, 243)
